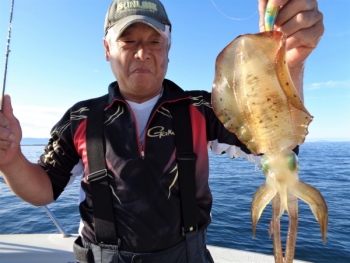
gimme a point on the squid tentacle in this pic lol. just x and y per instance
(261, 199)
(315, 200)
(292, 227)
(275, 229)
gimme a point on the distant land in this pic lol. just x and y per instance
(345, 139)
(34, 141)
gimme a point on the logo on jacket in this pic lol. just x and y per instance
(159, 131)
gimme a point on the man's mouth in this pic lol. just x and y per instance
(141, 70)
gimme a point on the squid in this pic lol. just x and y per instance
(254, 97)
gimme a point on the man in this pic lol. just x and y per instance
(139, 143)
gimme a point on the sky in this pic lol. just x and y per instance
(57, 57)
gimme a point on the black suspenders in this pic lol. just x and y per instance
(101, 196)
(105, 228)
(186, 161)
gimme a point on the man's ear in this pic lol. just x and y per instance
(168, 49)
(106, 46)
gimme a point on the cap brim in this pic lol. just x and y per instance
(127, 21)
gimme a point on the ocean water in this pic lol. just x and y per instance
(325, 165)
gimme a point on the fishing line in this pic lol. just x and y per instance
(232, 18)
(6, 56)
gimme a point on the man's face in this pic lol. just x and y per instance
(139, 61)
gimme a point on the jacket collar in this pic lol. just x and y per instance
(171, 92)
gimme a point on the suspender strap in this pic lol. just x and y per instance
(186, 160)
(105, 228)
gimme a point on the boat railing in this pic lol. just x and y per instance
(50, 215)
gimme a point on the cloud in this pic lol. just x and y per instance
(36, 121)
(329, 84)
(342, 34)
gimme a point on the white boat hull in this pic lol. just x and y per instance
(54, 248)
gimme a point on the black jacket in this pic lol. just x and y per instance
(146, 196)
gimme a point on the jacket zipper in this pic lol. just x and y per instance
(142, 152)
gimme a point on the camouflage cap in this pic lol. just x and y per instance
(123, 13)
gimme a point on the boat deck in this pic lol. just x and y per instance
(54, 248)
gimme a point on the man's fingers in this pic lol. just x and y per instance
(306, 37)
(6, 134)
(7, 107)
(262, 7)
(289, 22)
(10, 132)
(293, 7)
(5, 144)
(304, 20)
(6, 117)
(278, 2)
(301, 44)
(4, 122)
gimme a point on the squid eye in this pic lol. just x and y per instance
(265, 164)
(292, 160)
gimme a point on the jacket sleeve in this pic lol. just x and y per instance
(60, 157)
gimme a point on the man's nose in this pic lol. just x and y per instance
(142, 52)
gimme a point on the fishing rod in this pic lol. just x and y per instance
(6, 56)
